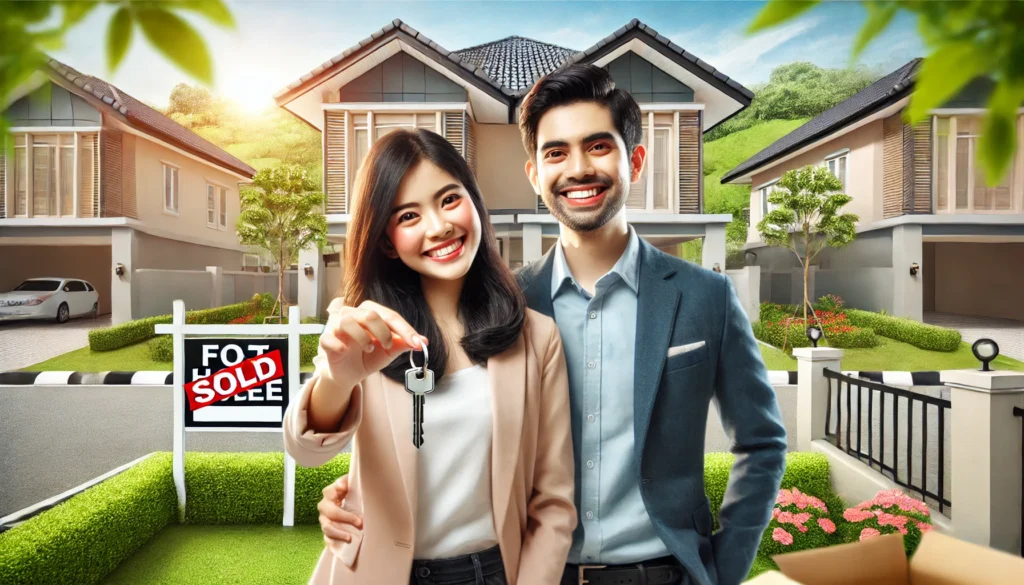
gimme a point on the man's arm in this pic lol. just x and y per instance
(750, 416)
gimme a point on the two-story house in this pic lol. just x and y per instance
(100, 185)
(397, 77)
(932, 236)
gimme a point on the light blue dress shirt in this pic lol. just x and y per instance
(598, 336)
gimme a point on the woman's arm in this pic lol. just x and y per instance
(551, 514)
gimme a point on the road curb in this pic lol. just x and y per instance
(142, 378)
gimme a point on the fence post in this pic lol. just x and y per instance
(812, 391)
(986, 456)
(294, 347)
(178, 379)
(217, 292)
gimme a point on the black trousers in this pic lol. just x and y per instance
(482, 568)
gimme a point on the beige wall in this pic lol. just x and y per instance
(166, 254)
(979, 279)
(500, 167)
(193, 177)
(863, 174)
(89, 263)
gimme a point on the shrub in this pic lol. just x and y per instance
(125, 334)
(830, 303)
(87, 536)
(799, 522)
(838, 331)
(917, 334)
(890, 511)
(161, 348)
(854, 337)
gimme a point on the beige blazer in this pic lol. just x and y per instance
(531, 466)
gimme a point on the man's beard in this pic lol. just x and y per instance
(586, 220)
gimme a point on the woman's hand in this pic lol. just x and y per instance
(335, 521)
(359, 341)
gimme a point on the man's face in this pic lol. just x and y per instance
(582, 169)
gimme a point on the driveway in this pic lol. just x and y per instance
(24, 343)
(1007, 333)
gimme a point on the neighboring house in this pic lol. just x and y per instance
(113, 183)
(932, 236)
(397, 77)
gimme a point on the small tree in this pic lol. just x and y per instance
(807, 217)
(282, 213)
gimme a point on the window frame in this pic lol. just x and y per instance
(222, 209)
(672, 185)
(65, 205)
(953, 137)
(211, 206)
(175, 190)
(836, 157)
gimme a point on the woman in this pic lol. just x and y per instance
(488, 497)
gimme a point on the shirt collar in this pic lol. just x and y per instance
(627, 267)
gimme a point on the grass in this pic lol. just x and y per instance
(132, 358)
(892, 355)
(226, 555)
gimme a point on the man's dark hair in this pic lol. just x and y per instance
(579, 83)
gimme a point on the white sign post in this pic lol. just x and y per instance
(237, 413)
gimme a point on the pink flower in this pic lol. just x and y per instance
(797, 520)
(775, 513)
(868, 533)
(780, 535)
(857, 515)
(924, 526)
(827, 525)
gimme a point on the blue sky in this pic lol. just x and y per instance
(277, 41)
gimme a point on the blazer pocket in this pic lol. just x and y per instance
(686, 359)
(347, 552)
(702, 519)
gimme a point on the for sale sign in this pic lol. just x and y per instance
(236, 383)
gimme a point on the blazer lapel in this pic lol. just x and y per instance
(507, 374)
(399, 403)
(657, 303)
(536, 282)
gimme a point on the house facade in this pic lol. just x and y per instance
(932, 236)
(99, 183)
(397, 77)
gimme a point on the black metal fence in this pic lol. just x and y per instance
(1017, 411)
(875, 434)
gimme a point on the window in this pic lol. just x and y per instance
(170, 189)
(837, 166)
(211, 206)
(89, 287)
(49, 161)
(383, 124)
(76, 286)
(960, 183)
(658, 168)
(223, 220)
(766, 206)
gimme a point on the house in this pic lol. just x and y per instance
(397, 77)
(115, 187)
(932, 237)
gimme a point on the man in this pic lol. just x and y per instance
(650, 340)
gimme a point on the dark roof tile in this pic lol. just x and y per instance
(515, 62)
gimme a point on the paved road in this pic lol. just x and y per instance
(24, 343)
(55, 438)
(1007, 333)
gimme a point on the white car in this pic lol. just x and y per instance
(49, 298)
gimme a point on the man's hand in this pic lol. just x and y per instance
(335, 521)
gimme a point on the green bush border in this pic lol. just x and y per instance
(920, 335)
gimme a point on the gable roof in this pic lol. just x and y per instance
(149, 120)
(877, 96)
(516, 62)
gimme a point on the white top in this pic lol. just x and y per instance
(454, 515)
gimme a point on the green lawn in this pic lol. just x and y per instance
(893, 355)
(133, 358)
(226, 555)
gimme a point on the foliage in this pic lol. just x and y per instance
(889, 512)
(799, 522)
(807, 218)
(282, 213)
(777, 327)
(124, 334)
(917, 334)
(87, 536)
(30, 29)
(189, 100)
(161, 348)
(830, 302)
(968, 40)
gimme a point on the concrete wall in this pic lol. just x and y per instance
(156, 290)
(716, 441)
(90, 263)
(167, 254)
(860, 288)
(241, 286)
(863, 174)
(973, 278)
(748, 288)
(193, 177)
(500, 167)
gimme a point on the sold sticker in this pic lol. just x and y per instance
(241, 377)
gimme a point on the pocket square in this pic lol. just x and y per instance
(684, 348)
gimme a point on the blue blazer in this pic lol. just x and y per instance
(680, 304)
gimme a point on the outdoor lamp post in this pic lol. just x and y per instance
(985, 350)
(814, 334)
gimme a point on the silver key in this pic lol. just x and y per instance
(419, 381)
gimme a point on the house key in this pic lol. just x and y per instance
(419, 381)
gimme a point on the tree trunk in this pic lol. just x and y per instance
(280, 279)
(807, 268)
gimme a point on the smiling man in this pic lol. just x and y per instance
(650, 341)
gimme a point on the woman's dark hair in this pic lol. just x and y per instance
(491, 307)
(579, 83)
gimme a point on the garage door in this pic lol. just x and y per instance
(89, 263)
(975, 278)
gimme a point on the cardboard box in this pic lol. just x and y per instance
(938, 560)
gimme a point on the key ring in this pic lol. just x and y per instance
(426, 357)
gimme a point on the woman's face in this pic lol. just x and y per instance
(434, 227)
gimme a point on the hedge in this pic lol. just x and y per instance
(917, 334)
(125, 334)
(86, 537)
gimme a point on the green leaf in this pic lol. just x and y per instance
(75, 12)
(178, 41)
(119, 37)
(215, 10)
(998, 141)
(779, 11)
(879, 17)
(944, 74)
